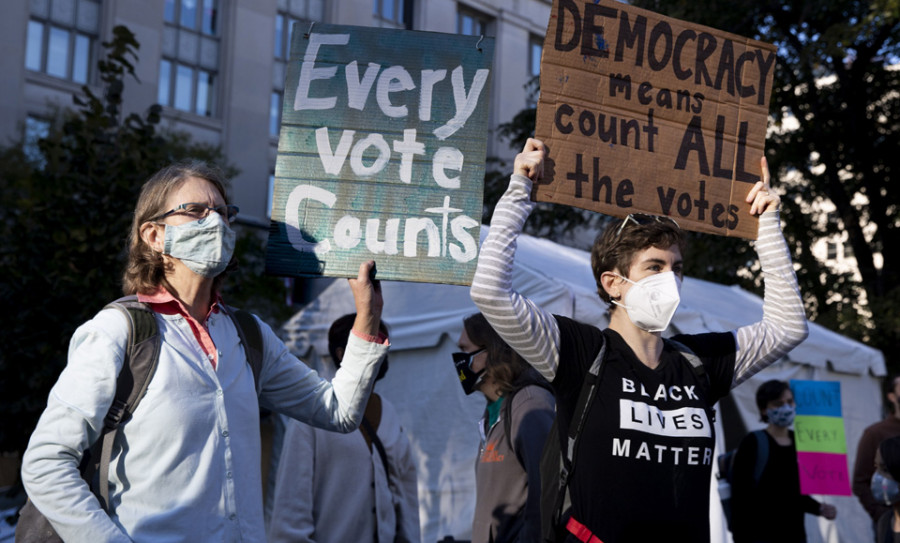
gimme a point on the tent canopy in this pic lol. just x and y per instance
(425, 321)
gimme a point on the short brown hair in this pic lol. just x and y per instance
(615, 248)
(145, 269)
(503, 365)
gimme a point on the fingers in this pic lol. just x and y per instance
(761, 198)
(530, 162)
(532, 144)
(368, 300)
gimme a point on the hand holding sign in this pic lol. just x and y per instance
(368, 299)
(761, 197)
(530, 162)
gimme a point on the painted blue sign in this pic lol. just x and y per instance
(381, 154)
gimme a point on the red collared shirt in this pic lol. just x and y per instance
(162, 301)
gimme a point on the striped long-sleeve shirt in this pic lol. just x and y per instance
(534, 333)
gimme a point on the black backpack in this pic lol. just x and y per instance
(725, 462)
(556, 467)
(141, 357)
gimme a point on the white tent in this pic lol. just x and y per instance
(425, 321)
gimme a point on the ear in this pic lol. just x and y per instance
(892, 397)
(154, 237)
(610, 282)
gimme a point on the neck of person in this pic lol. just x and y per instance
(193, 290)
(647, 346)
(779, 433)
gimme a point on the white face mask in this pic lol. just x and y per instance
(205, 246)
(652, 301)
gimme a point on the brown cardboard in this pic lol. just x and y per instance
(644, 113)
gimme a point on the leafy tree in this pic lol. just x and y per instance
(64, 218)
(837, 76)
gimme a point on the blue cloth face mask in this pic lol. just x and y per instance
(205, 246)
(885, 489)
(781, 416)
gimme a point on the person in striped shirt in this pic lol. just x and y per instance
(645, 453)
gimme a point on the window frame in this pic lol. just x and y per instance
(78, 67)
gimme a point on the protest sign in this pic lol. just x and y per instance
(646, 113)
(381, 154)
(819, 435)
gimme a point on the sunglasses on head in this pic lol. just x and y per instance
(642, 219)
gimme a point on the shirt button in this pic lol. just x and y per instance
(228, 474)
(219, 392)
(210, 356)
(232, 516)
(225, 433)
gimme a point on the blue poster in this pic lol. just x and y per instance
(381, 154)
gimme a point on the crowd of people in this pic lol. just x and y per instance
(643, 429)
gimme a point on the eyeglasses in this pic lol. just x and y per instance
(466, 358)
(196, 210)
(642, 219)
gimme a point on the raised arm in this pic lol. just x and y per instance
(532, 332)
(784, 324)
(292, 388)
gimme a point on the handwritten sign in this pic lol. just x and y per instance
(381, 154)
(646, 113)
(819, 434)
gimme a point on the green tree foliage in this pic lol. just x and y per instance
(837, 74)
(64, 219)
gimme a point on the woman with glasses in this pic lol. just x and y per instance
(186, 466)
(648, 436)
(516, 422)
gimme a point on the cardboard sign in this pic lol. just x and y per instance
(381, 154)
(820, 439)
(648, 114)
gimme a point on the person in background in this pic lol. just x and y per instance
(770, 509)
(643, 468)
(864, 467)
(335, 488)
(886, 490)
(185, 467)
(517, 419)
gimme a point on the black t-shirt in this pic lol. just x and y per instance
(770, 509)
(646, 451)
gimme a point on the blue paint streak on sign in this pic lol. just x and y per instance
(381, 154)
(821, 398)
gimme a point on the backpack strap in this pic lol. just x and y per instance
(567, 456)
(762, 455)
(251, 338)
(141, 357)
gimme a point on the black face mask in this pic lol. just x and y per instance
(467, 378)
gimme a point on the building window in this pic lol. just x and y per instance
(472, 23)
(393, 13)
(35, 130)
(189, 69)
(270, 195)
(535, 50)
(62, 37)
(831, 250)
(301, 12)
